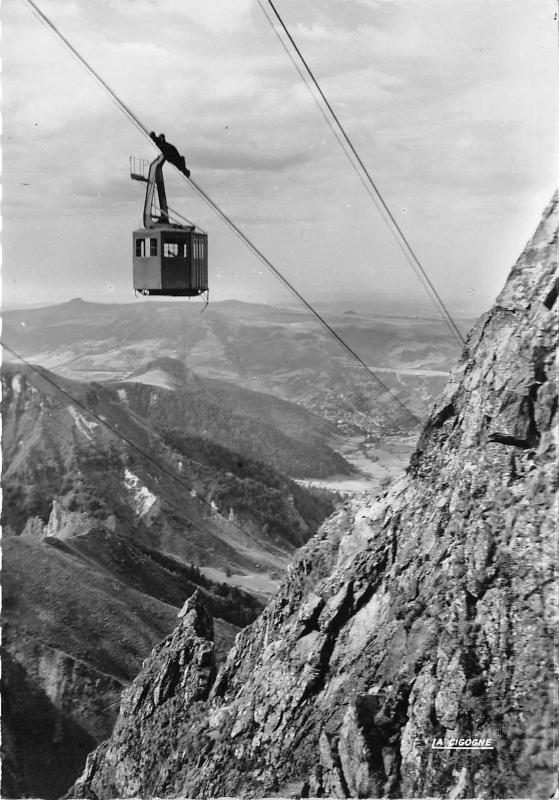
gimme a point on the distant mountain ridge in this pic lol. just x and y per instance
(273, 350)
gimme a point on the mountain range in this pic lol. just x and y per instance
(281, 352)
(119, 501)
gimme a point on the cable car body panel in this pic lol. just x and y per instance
(168, 259)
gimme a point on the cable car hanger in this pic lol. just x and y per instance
(169, 259)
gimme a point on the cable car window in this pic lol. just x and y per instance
(140, 248)
(170, 250)
(185, 250)
(152, 246)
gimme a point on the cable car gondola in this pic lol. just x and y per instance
(169, 259)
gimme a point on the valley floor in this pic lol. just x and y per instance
(260, 584)
(374, 463)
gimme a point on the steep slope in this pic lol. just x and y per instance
(43, 749)
(179, 676)
(80, 614)
(424, 613)
(73, 638)
(90, 580)
(59, 444)
(255, 425)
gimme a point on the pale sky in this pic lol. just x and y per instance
(452, 104)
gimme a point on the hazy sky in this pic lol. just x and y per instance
(453, 105)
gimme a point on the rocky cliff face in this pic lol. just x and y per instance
(163, 701)
(421, 614)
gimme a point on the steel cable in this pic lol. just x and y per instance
(387, 215)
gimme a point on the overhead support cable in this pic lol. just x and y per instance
(225, 218)
(386, 213)
(327, 119)
(325, 116)
(129, 113)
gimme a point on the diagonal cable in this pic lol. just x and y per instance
(267, 263)
(355, 166)
(393, 225)
(129, 113)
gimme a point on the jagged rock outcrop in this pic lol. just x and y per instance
(423, 613)
(62, 524)
(174, 681)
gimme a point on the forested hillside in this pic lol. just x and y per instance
(259, 426)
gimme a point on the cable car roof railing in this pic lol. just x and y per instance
(139, 168)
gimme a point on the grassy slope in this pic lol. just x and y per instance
(51, 593)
